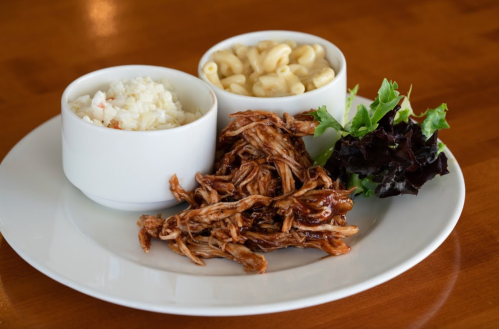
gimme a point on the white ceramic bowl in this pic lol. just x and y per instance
(333, 94)
(130, 170)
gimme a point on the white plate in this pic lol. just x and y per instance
(95, 250)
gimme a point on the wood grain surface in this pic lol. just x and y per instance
(448, 51)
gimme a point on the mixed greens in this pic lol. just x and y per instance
(382, 151)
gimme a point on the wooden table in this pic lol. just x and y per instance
(448, 51)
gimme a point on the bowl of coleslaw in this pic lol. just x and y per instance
(127, 130)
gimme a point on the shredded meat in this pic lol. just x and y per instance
(265, 195)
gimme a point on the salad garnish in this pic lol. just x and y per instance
(383, 151)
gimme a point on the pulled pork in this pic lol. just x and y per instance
(265, 195)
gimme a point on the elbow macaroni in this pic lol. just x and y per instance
(278, 55)
(269, 69)
(293, 83)
(210, 71)
(323, 77)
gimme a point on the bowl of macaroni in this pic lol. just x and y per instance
(127, 130)
(279, 71)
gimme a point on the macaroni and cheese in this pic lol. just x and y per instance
(269, 69)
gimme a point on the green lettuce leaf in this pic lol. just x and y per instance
(441, 147)
(435, 120)
(322, 158)
(365, 186)
(361, 123)
(388, 98)
(326, 121)
(350, 99)
(405, 110)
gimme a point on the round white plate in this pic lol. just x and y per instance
(95, 250)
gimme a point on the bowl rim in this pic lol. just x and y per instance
(207, 54)
(191, 125)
